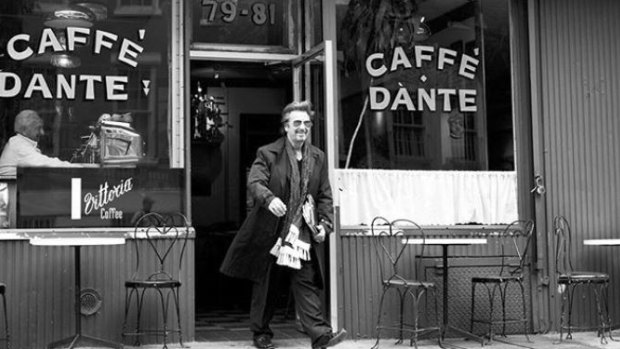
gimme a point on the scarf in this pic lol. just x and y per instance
(293, 244)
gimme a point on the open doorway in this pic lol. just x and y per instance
(247, 99)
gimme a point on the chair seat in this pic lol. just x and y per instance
(153, 283)
(408, 283)
(583, 277)
(496, 279)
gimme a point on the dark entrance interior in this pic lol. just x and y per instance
(246, 102)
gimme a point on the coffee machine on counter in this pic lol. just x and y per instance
(112, 141)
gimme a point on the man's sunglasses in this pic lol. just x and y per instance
(297, 123)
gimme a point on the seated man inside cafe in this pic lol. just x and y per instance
(22, 151)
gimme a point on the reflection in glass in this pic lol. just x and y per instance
(72, 86)
(70, 16)
(447, 97)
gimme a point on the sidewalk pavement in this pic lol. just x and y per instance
(581, 340)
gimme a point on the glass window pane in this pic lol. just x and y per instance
(244, 22)
(430, 83)
(84, 91)
(88, 73)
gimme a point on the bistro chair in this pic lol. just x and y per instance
(513, 248)
(403, 275)
(569, 280)
(160, 242)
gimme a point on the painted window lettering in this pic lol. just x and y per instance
(106, 195)
(420, 99)
(22, 46)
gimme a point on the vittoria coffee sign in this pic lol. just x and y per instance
(102, 200)
(95, 197)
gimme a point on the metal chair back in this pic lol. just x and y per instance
(563, 259)
(163, 235)
(516, 243)
(391, 242)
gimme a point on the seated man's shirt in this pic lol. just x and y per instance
(21, 151)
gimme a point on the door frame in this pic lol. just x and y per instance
(324, 52)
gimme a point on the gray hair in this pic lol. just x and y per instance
(305, 106)
(26, 120)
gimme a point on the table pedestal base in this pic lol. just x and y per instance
(80, 340)
(461, 333)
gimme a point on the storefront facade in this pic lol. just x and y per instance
(444, 112)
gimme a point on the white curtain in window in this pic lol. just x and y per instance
(427, 197)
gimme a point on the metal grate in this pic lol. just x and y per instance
(90, 301)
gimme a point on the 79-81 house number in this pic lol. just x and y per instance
(259, 12)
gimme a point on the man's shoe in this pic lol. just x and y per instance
(336, 338)
(263, 342)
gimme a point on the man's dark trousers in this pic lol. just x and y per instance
(305, 292)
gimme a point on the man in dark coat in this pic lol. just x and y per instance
(283, 235)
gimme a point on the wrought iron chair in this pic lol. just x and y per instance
(569, 279)
(513, 248)
(403, 275)
(160, 242)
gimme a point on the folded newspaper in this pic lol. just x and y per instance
(309, 216)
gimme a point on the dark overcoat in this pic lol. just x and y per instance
(248, 256)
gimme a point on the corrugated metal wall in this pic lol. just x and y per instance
(578, 50)
(40, 291)
(361, 285)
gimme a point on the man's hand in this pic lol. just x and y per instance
(320, 237)
(277, 207)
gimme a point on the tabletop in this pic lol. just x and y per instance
(602, 242)
(446, 241)
(73, 239)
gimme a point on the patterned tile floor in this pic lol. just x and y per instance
(234, 326)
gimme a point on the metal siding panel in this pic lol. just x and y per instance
(366, 281)
(579, 49)
(362, 287)
(40, 286)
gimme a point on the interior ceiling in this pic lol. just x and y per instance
(434, 8)
(239, 71)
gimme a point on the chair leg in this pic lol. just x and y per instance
(129, 292)
(379, 319)
(598, 292)
(415, 300)
(402, 310)
(473, 306)
(571, 293)
(491, 308)
(502, 296)
(164, 311)
(562, 309)
(525, 322)
(7, 336)
(438, 321)
(609, 324)
(178, 310)
(140, 303)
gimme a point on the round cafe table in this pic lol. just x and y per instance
(445, 243)
(77, 240)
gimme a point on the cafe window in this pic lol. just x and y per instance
(425, 85)
(425, 115)
(97, 75)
